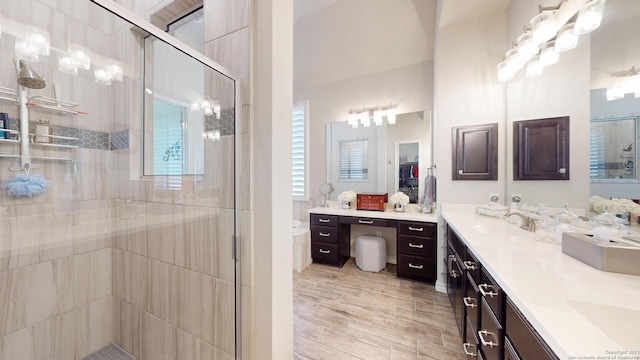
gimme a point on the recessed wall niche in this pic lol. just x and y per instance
(541, 149)
(475, 152)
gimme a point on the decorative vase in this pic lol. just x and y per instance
(398, 207)
(346, 204)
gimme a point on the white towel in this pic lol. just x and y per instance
(430, 189)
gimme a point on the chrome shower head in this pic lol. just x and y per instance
(29, 78)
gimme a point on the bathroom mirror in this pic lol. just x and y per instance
(380, 170)
(615, 50)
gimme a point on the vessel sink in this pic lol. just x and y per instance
(614, 256)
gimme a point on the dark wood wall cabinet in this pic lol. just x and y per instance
(541, 149)
(490, 324)
(475, 152)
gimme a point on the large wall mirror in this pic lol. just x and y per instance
(615, 108)
(381, 159)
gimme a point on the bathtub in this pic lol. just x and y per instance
(301, 245)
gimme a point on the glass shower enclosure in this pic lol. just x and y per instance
(119, 214)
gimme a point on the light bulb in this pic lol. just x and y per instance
(615, 93)
(67, 65)
(534, 68)
(543, 27)
(527, 48)
(589, 17)
(504, 73)
(514, 61)
(102, 77)
(391, 116)
(377, 117)
(548, 56)
(566, 39)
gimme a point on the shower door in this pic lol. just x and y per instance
(124, 253)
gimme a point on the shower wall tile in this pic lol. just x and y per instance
(32, 294)
(224, 17)
(232, 52)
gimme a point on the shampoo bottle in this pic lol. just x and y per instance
(42, 131)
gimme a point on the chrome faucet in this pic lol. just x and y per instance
(528, 223)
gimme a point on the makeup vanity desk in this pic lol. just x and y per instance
(416, 236)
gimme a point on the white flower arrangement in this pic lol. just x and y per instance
(614, 206)
(399, 198)
(348, 196)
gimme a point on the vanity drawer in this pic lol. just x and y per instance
(526, 341)
(324, 220)
(493, 294)
(367, 221)
(325, 253)
(470, 344)
(324, 234)
(416, 268)
(490, 334)
(417, 228)
(417, 245)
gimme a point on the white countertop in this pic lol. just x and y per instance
(577, 309)
(409, 214)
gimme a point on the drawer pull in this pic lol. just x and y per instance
(417, 246)
(324, 220)
(368, 222)
(419, 267)
(415, 229)
(469, 302)
(324, 251)
(454, 274)
(482, 334)
(466, 347)
(324, 234)
(470, 265)
(452, 258)
(487, 290)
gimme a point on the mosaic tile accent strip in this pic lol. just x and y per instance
(226, 124)
(88, 139)
(111, 352)
(120, 140)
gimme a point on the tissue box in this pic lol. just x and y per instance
(371, 201)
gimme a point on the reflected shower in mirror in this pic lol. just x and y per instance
(366, 159)
(613, 149)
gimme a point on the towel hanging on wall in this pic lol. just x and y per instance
(430, 189)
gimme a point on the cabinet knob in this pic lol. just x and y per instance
(562, 171)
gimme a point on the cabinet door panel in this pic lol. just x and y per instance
(541, 149)
(475, 154)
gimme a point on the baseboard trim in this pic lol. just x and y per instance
(441, 286)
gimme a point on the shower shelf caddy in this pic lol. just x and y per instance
(44, 104)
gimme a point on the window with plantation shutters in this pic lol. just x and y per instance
(299, 151)
(354, 160)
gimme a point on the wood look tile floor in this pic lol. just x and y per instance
(346, 313)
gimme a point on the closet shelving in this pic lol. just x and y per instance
(39, 104)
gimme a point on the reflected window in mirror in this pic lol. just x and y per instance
(354, 160)
(613, 151)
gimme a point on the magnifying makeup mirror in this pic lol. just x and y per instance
(326, 190)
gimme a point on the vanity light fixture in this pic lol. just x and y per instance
(589, 17)
(551, 34)
(630, 85)
(81, 55)
(566, 39)
(67, 65)
(543, 26)
(102, 76)
(527, 47)
(534, 67)
(365, 116)
(548, 54)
